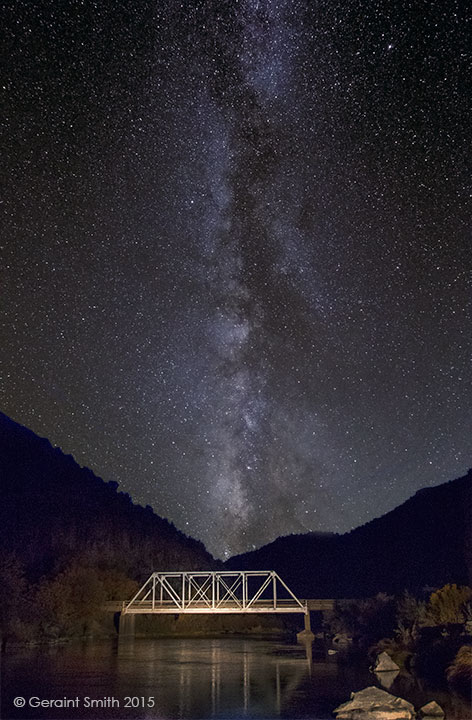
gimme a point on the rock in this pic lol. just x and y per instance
(384, 663)
(431, 710)
(341, 640)
(387, 678)
(372, 703)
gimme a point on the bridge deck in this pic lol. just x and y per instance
(199, 608)
(315, 604)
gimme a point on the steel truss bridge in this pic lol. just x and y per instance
(244, 591)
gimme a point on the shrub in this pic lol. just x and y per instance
(448, 605)
(411, 615)
(366, 621)
(459, 673)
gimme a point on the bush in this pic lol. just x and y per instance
(410, 614)
(448, 605)
(459, 673)
(366, 621)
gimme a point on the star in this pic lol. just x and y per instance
(235, 259)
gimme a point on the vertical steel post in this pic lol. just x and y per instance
(274, 590)
(183, 591)
(153, 591)
(213, 590)
(243, 583)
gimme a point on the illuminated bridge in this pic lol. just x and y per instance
(215, 592)
(248, 591)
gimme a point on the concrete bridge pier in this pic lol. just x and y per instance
(306, 633)
(126, 626)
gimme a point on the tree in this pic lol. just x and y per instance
(71, 601)
(17, 610)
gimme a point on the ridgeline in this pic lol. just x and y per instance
(424, 543)
(53, 511)
(70, 542)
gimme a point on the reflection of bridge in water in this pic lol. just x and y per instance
(209, 677)
(216, 592)
(272, 686)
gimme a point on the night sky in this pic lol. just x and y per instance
(236, 252)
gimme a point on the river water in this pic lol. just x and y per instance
(190, 678)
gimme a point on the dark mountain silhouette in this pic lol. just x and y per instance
(53, 511)
(426, 542)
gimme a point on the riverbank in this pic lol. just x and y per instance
(105, 627)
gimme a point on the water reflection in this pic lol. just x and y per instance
(230, 675)
(193, 679)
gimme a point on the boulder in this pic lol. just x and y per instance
(431, 710)
(384, 663)
(387, 678)
(372, 703)
(342, 640)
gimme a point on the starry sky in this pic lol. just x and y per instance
(236, 252)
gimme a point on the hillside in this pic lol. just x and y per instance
(425, 542)
(53, 511)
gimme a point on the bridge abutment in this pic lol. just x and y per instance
(126, 626)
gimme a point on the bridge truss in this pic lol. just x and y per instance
(244, 591)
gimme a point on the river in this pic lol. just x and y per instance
(189, 678)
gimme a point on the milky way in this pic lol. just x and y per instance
(236, 253)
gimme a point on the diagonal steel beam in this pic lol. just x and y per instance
(288, 590)
(264, 585)
(167, 587)
(133, 599)
(230, 591)
(200, 589)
